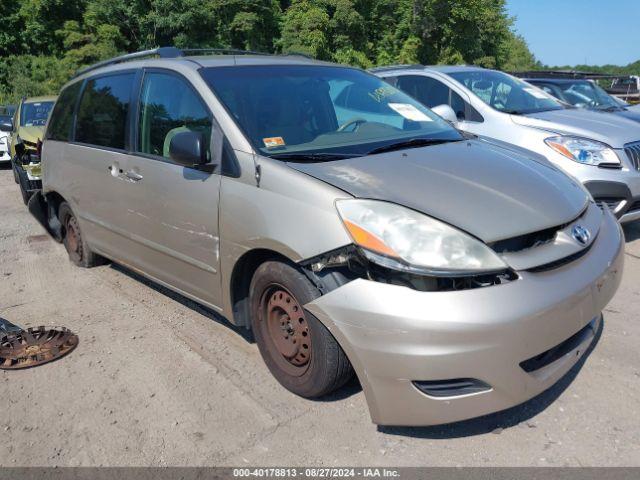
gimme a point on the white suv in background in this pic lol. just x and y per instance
(601, 150)
(5, 130)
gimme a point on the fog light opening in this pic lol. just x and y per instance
(455, 387)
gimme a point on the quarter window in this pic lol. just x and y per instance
(62, 115)
(168, 106)
(103, 110)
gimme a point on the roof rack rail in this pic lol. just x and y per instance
(173, 52)
(221, 51)
(396, 67)
(577, 74)
(162, 52)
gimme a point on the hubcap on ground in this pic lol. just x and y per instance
(287, 328)
(35, 346)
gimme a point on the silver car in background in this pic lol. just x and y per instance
(348, 226)
(601, 150)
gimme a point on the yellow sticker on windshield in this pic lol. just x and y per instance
(271, 142)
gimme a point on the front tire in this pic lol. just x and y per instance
(298, 350)
(74, 242)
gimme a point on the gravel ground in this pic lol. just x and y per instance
(157, 380)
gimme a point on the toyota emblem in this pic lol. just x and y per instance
(581, 234)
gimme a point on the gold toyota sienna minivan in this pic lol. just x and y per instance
(348, 226)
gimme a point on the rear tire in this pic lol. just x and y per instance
(25, 195)
(15, 171)
(79, 252)
(297, 348)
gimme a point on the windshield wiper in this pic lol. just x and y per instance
(313, 157)
(412, 143)
(610, 108)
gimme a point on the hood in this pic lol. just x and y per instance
(631, 114)
(31, 134)
(608, 128)
(490, 192)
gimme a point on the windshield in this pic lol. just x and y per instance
(35, 114)
(321, 110)
(506, 93)
(587, 94)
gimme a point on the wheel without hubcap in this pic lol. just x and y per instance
(287, 330)
(72, 239)
(298, 349)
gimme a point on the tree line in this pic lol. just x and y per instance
(42, 42)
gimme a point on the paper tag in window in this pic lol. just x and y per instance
(535, 93)
(272, 142)
(409, 112)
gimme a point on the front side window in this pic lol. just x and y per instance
(35, 114)
(168, 105)
(506, 93)
(432, 92)
(308, 109)
(103, 110)
(62, 114)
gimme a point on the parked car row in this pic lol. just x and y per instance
(427, 229)
(20, 139)
(600, 150)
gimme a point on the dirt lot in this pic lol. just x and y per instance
(158, 380)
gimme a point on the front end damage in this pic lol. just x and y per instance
(429, 351)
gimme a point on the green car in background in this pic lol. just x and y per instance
(25, 139)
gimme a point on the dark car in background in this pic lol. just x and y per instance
(9, 110)
(584, 94)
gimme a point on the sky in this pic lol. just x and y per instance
(570, 32)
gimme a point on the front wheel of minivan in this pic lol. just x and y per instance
(298, 350)
(79, 252)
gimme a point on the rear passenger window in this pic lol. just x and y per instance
(62, 116)
(168, 106)
(103, 109)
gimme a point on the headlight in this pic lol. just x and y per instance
(403, 239)
(582, 150)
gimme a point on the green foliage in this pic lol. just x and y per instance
(43, 42)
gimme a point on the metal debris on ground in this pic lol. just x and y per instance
(35, 346)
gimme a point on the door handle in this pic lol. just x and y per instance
(133, 176)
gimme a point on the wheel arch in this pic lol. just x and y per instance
(240, 281)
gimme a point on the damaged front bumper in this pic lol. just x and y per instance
(486, 349)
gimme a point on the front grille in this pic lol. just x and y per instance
(561, 262)
(633, 152)
(611, 202)
(533, 239)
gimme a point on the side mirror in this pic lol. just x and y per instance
(446, 112)
(6, 126)
(188, 149)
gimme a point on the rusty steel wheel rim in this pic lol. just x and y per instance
(73, 238)
(287, 330)
(35, 346)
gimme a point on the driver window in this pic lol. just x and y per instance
(431, 92)
(169, 106)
